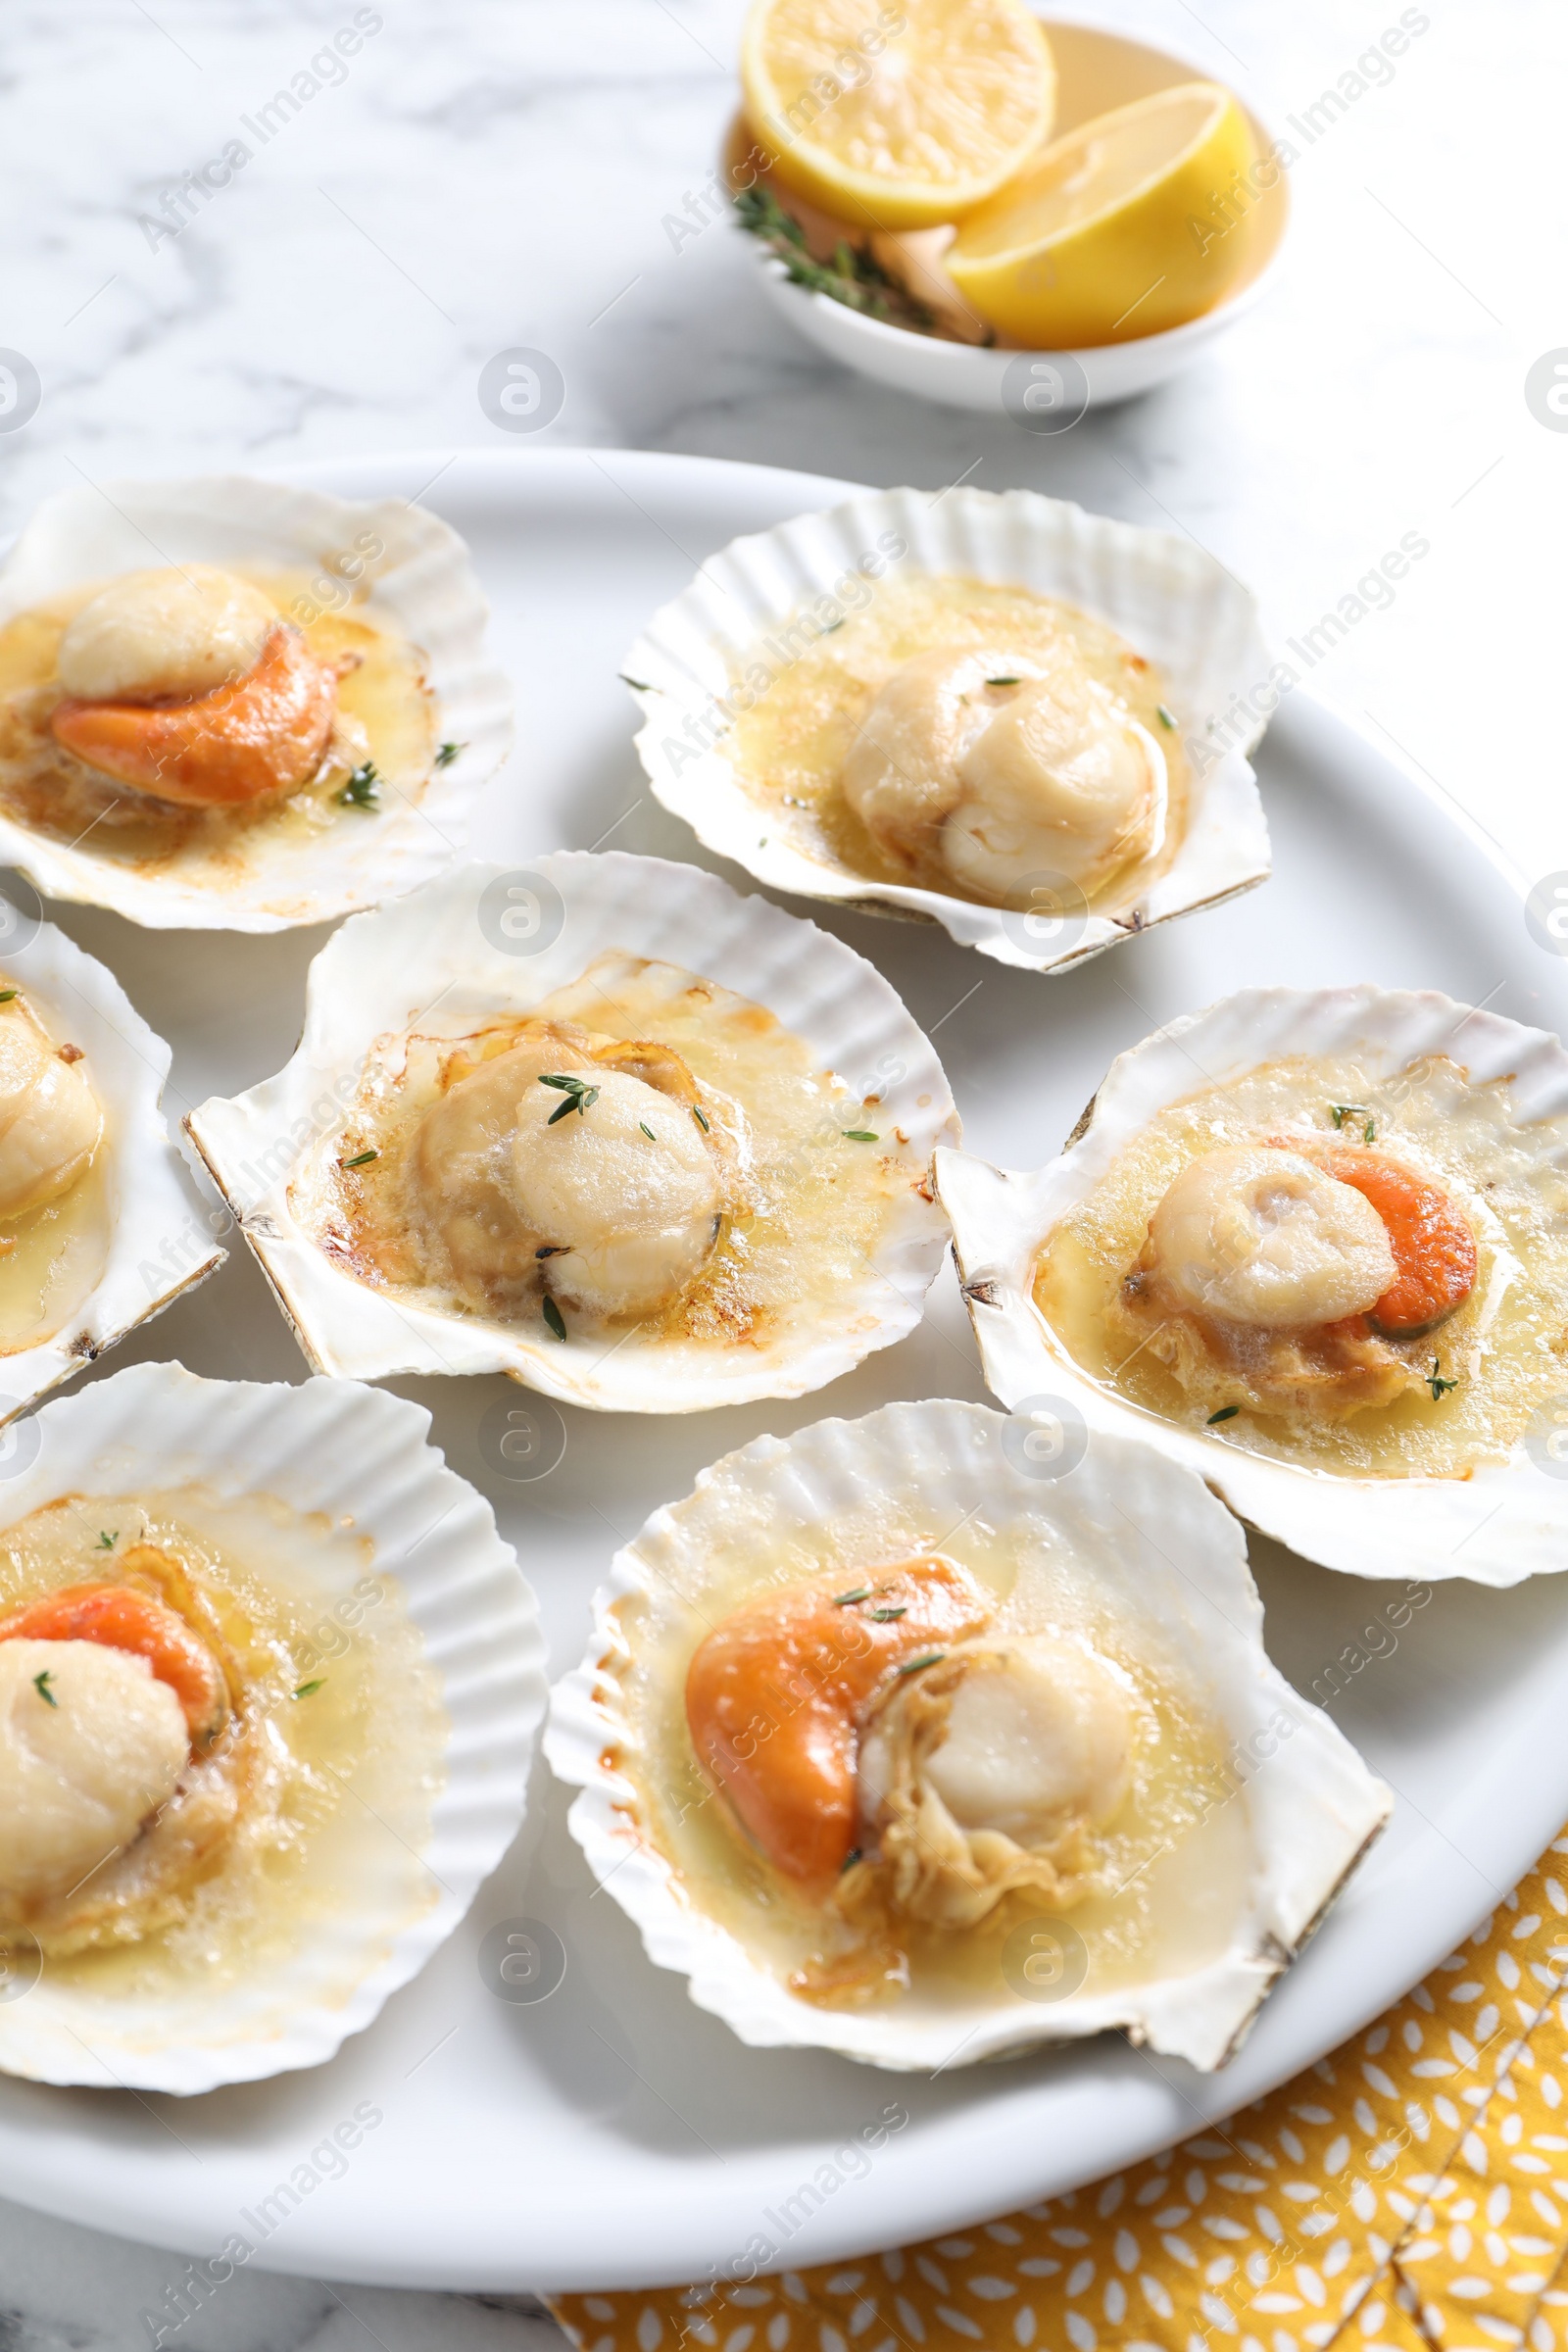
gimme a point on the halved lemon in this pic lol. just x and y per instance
(1132, 223)
(901, 116)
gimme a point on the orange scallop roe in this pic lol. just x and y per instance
(777, 1695)
(262, 734)
(117, 1617)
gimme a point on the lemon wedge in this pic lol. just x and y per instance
(1132, 223)
(901, 118)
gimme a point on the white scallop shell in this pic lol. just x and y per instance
(428, 959)
(1173, 604)
(162, 1244)
(1313, 1806)
(422, 588)
(348, 1453)
(1500, 1524)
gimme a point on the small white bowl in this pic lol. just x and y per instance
(1043, 392)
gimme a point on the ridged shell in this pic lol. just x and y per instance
(1497, 1526)
(345, 1451)
(1172, 602)
(1313, 1804)
(382, 971)
(422, 587)
(162, 1239)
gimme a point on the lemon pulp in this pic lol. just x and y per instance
(1127, 226)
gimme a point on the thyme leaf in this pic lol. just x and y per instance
(361, 1160)
(448, 753)
(1227, 1412)
(555, 1320)
(362, 788)
(842, 1601)
(580, 1095)
(308, 1689)
(41, 1683)
(106, 1538)
(648, 1131)
(701, 1117)
(933, 1657)
(1167, 718)
(860, 1135)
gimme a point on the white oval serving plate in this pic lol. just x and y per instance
(613, 2134)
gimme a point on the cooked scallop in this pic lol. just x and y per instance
(50, 1122)
(151, 636)
(902, 775)
(1262, 1236)
(1010, 770)
(547, 1166)
(191, 687)
(1062, 782)
(91, 1745)
(981, 1774)
(777, 1695)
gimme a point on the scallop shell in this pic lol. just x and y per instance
(428, 958)
(348, 1453)
(1505, 1521)
(1172, 602)
(163, 1242)
(422, 586)
(923, 1468)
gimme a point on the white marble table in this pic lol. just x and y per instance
(490, 174)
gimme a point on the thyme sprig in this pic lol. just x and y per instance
(364, 786)
(580, 1095)
(1339, 1113)
(41, 1683)
(1437, 1384)
(854, 276)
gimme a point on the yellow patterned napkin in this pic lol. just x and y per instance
(1408, 2192)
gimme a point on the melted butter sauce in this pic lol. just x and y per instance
(1173, 1865)
(789, 750)
(386, 713)
(809, 1206)
(1507, 1345)
(333, 1818)
(59, 1250)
